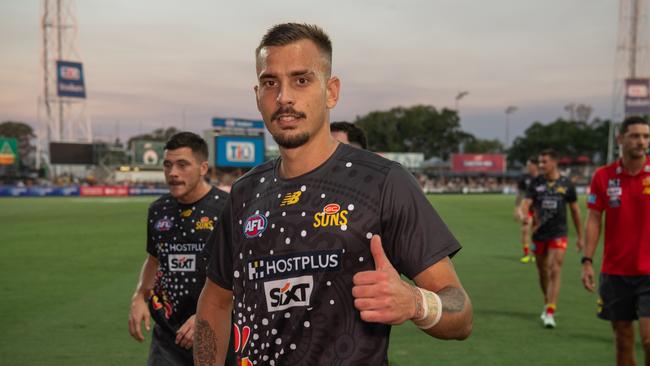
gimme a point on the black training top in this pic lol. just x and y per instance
(289, 249)
(176, 235)
(549, 204)
(524, 183)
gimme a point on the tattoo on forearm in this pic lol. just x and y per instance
(419, 307)
(205, 344)
(453, 299)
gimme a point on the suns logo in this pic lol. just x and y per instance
(332, 215)
(204, 224)
(255, 225)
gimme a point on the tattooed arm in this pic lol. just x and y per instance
(213, 325)
(456, 321)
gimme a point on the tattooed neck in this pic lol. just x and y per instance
(205, 344)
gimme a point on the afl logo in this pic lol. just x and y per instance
(255, 225)
(163, 225)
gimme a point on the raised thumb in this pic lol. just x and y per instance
(378, 254)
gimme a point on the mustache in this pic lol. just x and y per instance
(288, 111)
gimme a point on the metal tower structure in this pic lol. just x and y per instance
(64, 113)
(631, 61)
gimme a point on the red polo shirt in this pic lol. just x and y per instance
(626, 202)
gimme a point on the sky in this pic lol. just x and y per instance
(151, 64)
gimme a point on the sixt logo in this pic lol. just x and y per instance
(186, 213)
(240, 152)
(255, 225)
(163, 225)
(182, 262)
(204, 224)
(288, 293)
(332, 215)
(291, 198)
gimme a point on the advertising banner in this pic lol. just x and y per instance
(239, 151)
(38, 191)
(238, 123)
(478, 163)
(70, 79)
(408, 160)
(8, 151)
(637, 97)
(104, 191)
(148, 153)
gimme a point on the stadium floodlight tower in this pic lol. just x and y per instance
(631, 94)
(63, 98)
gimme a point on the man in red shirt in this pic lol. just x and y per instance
(622, 191)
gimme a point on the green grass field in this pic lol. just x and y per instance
(68, 267)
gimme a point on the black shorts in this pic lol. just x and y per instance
(165, 352)
(624, 298)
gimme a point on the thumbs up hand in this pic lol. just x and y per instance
(380, 295)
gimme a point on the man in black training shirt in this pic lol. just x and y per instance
(525, 217)
(548, 195)
(311, 245)
(178, 226)
(349, 133)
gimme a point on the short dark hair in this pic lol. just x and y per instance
(355, 134)
(550, 153)
(287, 33)
(533, 160)
(632, 120)
(191, 140)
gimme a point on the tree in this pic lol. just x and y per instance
(476, 145)
(569, 138)
(23, 133)
(420, 128)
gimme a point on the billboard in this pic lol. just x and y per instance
(148, 153)
(72, 153)
(478, 163)
(70, 79)
(239, 151)
(637, 97)
(238, 123)
(408, 160)
(8, 151)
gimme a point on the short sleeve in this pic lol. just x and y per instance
(531, 193)
(413, 234)
(521, 185)
(596, 197)
(151, 244)
(571, 195)
(219, 250)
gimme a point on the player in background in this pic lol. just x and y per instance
(173, 273)
(226, 176)
(349, 133)
(526, 218)
(548, 197)
(621, 191)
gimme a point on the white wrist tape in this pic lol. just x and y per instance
(432, 309)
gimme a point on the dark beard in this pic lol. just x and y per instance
(291, 142)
